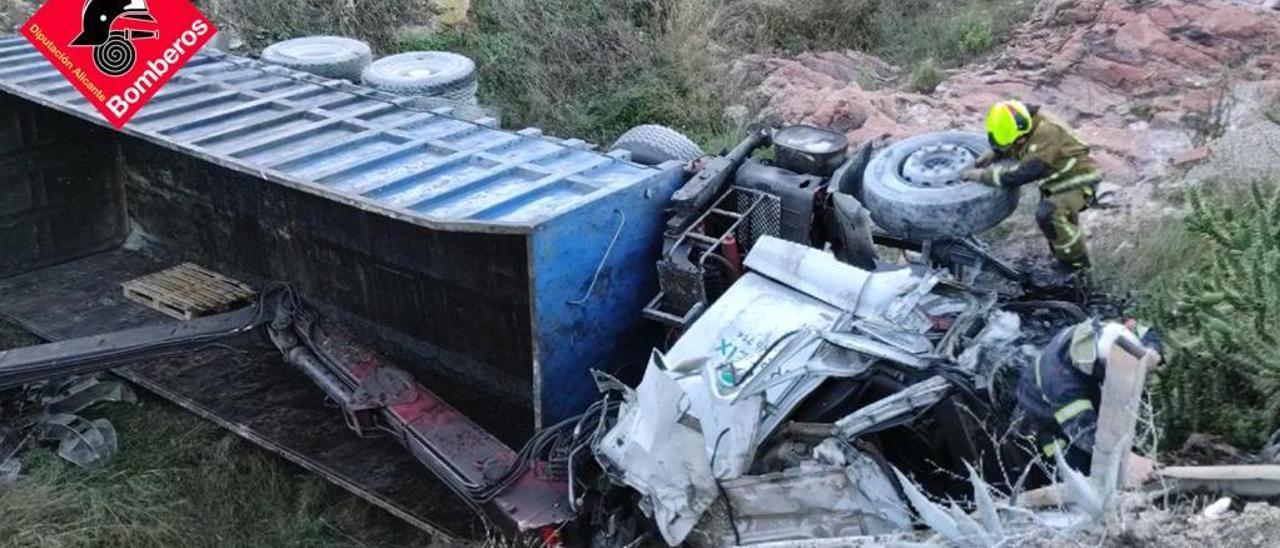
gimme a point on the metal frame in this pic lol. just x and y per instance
(692, 240)
(374, 396)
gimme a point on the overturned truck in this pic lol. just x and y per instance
(495, 267)
(462, 291)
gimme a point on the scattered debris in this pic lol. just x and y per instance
(48, 411)
(81, 442)
(1218, 509)
(1201, 449)
(809, 372)
(1250, 482)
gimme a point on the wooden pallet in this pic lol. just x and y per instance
(187, 291)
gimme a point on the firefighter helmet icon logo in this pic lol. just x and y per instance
(107, 27)
(118, 53)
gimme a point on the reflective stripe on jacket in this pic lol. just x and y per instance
(1061, 396)
(1062, 158)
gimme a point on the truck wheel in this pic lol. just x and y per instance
(425, 73)
(328, 56)
(652, 144)
(913, 188)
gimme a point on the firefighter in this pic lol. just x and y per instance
(1059, 394)
(1048, 152)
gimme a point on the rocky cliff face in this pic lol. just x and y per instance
(1166, 92)
(1146, 83)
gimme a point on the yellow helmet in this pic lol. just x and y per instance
(1006, 122)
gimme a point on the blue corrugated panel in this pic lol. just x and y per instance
(337, 138)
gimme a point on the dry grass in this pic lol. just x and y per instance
(905, 31)
(262, 22)
(180, 481)
(590, 69)
(593, 69)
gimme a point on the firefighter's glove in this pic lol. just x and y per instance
(985, 159)
(1152, 339)
(979, 176)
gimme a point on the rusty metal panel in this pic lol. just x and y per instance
(362, 146)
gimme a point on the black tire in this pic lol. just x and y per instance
(652, 144)
(328, 56)
(953, 209)
(424, 73)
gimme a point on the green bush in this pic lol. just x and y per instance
(1220, 312)
(925, 77)
(906, 31)
(952, 33)
(594, 68)
(975, 35)
(790, 26)
(262, 22)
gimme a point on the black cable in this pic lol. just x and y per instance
(728, 506)
(747, 374)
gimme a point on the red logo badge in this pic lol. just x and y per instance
(118, 52)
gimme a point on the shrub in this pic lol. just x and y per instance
(263, 22)
(952, 33)
(925, 77)
(1220, 312)
(787, 25)
(974, 34)
(907, 31)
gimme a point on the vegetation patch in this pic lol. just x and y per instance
(1219, 305)
(593, 69)
(262, 22)
(589, 70)
(906, 31)
(925, 77)
(181, 481)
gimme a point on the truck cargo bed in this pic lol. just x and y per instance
(251, 392)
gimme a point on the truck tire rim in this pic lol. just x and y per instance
(309, 52)
(937, 166)
(415, 72)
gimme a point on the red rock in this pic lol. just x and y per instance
(1141, 35)
(1100, 56)
(1120, 141)
(1201, 100)
(1117, 75)
(1190, 156)
(1240, 23)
